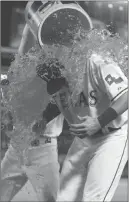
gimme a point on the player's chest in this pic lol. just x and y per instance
(92, 97)
(88, 99)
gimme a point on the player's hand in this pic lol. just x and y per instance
(89, 126)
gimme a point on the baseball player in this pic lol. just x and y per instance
(39, 162)
(98, 154)
(96, 159)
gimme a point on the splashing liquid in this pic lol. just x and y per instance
(27, 94)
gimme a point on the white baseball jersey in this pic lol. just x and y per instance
(104, 83)
(54, 127)
(93, 166)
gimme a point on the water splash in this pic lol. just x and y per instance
(27, 95)
(101, 42)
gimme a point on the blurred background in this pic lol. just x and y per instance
(104, 14)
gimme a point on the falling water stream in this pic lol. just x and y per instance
(27, 96)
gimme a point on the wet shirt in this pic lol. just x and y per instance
(104, 83)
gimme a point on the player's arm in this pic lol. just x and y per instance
(27, 42)
(48, 115)
(114, 83)
(111, 81)
(121, 104)
(116, 109)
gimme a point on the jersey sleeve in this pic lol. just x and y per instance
(55, 126)
(111, 80)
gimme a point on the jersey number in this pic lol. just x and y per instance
(111, 79)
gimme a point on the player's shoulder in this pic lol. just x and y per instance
(98, 62)
(94, 64)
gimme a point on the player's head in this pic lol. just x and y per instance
(50, 71)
